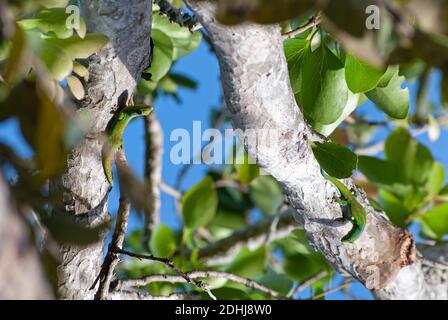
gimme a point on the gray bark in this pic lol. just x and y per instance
(153, 171)
(259, 96)
(114, 72)
(21, 272)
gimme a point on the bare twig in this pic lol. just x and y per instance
(153, 172)
(345, 284)
(195, 275)
(169, 263)
(311, 24)
(111, 259)
(306, 284)
(136, 295)
(177, 195)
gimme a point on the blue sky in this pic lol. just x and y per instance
(196, 105)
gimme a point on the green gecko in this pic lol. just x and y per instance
(114, 133)
(358, 213)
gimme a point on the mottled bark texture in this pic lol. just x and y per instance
(259, 96)
(153, 171)
(21, 272)
(114, 72)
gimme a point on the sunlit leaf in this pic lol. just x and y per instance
(162, 242)
(199, 204)
(266, 194)
(337, 160)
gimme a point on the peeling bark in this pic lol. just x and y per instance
(259, 96)
(114, 72)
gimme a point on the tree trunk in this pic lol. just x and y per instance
(260, 99)
(114, 72)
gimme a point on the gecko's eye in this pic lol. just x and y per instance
(139, 112)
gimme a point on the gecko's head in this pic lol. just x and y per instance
(136, 111)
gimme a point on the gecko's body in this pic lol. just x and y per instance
(114, 133)
(357, 212)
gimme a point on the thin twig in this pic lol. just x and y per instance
(153, 172)
(176, 194)
(274, 223)
(342, 286)
(111, 259)
(169, 263)
(137, 295)
(194, 275)
(306, 284)
(311, 24)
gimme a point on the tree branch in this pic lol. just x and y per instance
(307, 283)
(315, 21)
(83, 189)
(135, 295)
(111, 259)
(195, 275)
(169, 263)
(259, 96)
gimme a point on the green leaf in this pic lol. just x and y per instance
(168, 85)
(184, 81)
(246, 171)
(248, 263)
(51, 20)
(134, 241)
(361, 76)
(182, 40)
(16, 65)
(392, 98)
(413, 160)
(187, 48)
(328, 129)
(266, 194)
(444, 190)
(337, 160)
(276, 281)
(162, 55)
(394, 207)
(435, 222)
(80, 48)
(378, 170)
(296, 51)
(199, 204)
(301, 267)
(436, 178)
(324, 92)
(76, 87)
(58, 61)
(162, 242)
